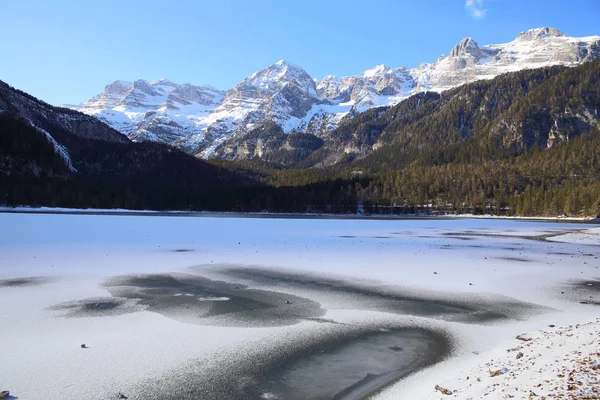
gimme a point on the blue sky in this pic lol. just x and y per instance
(65, 51)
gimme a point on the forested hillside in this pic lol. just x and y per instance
(524, 143)
(562, 180)
(59, 157)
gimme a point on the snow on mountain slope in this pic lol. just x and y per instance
(282, 92)
(377, 86)
(199, 119)
(158, 110)
(535, 48)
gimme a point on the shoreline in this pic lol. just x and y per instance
(283, 215)
(554, 361)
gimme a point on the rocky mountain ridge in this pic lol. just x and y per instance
(212, 123)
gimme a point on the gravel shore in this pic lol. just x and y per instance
(554, 363)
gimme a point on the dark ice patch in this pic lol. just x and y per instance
(352, 368)
(590, 302)
(538, 238)
(462, 246)
(348, 294)
(364, 237)
(340, 362)
(460, 237)
(97, 307)
(198, 300)
(25, 281)
(519, 259)
(583, 291)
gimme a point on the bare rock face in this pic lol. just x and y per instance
(467, 54)
(112, 95)
(202, 119)
(540, 33)
(546, 128)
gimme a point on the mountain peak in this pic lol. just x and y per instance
(467, 46)
(162, 81)
(377, 70)
(540, 33)
(285, 63)
(111, 96)
(274, 74)
(281, 66)
(118, 86)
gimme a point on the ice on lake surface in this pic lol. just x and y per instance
(243, 308)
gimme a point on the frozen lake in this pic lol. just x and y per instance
(271, 308)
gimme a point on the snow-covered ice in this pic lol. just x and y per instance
(184, 306)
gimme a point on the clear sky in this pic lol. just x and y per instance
(65, 51)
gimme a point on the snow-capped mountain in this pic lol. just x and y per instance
(282, 92)
(380, 85)
(158, 110)
(535, 48)
(201, 119)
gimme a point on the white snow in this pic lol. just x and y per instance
(373, 72)
(589, 236)
(40, 349)
(130, 107)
